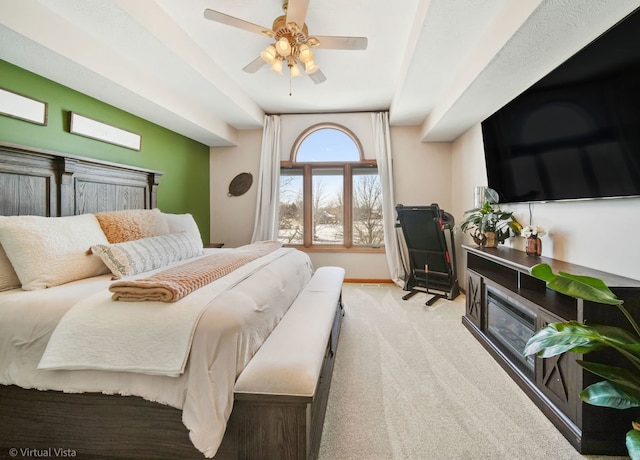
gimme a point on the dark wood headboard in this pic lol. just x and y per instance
(52, 184)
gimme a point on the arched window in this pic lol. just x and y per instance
(330, 195)
(327, 144)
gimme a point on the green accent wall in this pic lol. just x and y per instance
(184, 187)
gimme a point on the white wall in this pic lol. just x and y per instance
(467, 171)
(596, 233)
(232, 217)
(422, 171)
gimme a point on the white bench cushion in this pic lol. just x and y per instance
(289, 362)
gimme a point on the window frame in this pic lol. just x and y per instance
(307, 168)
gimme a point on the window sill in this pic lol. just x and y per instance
(340, 249)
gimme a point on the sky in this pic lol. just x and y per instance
(328, 144)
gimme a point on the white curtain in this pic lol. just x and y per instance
(382, 146)
(265, 226)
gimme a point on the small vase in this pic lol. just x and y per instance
(534, 246)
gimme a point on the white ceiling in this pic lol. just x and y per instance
(444, 65)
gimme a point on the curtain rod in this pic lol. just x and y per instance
(328, 113)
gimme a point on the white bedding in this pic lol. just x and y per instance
(228, 334)
(150, 337)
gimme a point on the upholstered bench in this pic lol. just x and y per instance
(289, 377)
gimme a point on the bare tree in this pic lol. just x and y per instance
(336, 209)
(367, 210)
(318, 209)
(290, 225)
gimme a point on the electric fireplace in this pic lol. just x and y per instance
(511, 324)
(505, 305)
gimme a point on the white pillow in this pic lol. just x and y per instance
(48, 251)
(138, 256)
(8, 277)
(183, 223)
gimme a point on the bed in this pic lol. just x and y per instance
(181, 409)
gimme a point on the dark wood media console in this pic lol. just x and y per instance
(505, 305)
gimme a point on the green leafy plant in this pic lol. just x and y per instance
(620, 388)
(489, 218)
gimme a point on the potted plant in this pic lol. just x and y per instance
(489, 225)
(620, 388)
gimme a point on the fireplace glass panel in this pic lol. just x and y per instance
(511, 325)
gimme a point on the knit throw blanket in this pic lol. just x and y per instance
(177, 282)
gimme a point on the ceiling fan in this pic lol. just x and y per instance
(292, 40)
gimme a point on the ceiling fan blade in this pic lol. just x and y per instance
(342, 43)
(254, 65)
(234, 22)
(297, 11)
(317, 77)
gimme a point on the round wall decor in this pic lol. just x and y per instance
(240, 184)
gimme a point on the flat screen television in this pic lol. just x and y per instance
(576, 133)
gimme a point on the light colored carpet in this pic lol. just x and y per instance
(410, 382)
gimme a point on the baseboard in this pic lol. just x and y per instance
(368, 280)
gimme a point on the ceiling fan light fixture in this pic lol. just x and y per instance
(269, 54)
(310, 67)
(291, 41)
(294, 70)
(305, 53)
(277, 66)
(283, 47)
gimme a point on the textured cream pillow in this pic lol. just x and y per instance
(183, 223)
(8, 277)
(145, 254)
(48, 251)
(132, 224)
